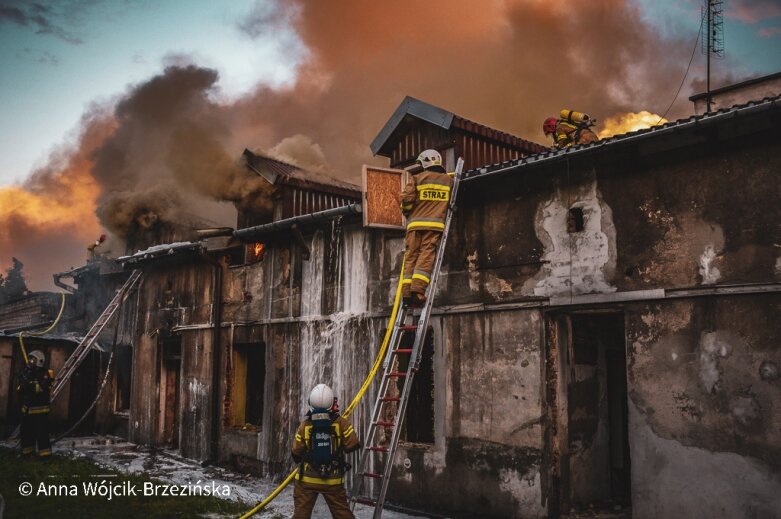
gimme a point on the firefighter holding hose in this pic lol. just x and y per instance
(570, 129)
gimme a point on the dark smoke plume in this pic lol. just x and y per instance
(168, 148)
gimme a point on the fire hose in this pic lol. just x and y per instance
(15, 433)
(349, 409)
(47, 330)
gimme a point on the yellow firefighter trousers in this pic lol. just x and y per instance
(305, 496)
(419, 260)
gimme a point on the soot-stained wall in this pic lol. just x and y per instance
(702, 359)
(703, 388)
(174, 296)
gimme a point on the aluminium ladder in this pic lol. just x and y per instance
(383, 455)
(81, 351)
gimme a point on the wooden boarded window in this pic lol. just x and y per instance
(382, 197)
(249, 381)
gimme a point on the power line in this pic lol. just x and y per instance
(694, 51)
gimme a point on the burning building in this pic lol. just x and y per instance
(605, 326)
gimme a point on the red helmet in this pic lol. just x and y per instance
(549, 126)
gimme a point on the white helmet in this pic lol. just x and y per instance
(428, 158)
(36, 358)
(321, 397)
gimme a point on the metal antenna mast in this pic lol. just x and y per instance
(713, 43)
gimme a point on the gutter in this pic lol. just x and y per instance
(250, 233)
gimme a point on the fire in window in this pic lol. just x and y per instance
(255, 252)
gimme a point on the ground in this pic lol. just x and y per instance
(80, 459)
(64, 495)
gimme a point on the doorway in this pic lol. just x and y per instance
(592, 417)
(170, 368)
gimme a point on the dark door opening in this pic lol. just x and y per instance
(170, 367)
(593, 448)
(419, 417)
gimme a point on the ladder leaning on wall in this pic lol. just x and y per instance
(408, 321)
(81, 351)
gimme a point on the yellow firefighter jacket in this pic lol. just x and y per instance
(346, 441)
(424, 201)
(567, 134)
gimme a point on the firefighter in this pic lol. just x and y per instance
(92, 248)
(319, 446)
(34, 391)
(424, 201)
(570, 129)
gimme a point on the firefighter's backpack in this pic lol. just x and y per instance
(323, 442)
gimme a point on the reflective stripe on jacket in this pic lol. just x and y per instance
(425, 199)
(346, 441)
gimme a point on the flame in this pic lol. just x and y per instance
(258, 249)
(629, 122)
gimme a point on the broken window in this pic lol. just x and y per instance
(255, 252)
(419, 416)
(249, 380)
(575, 221)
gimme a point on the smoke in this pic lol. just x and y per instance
(505, 64)
(43, 219)
(168, 160)
(169, 151)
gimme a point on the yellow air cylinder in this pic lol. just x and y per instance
(575, 117)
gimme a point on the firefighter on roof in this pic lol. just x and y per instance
(570, 129)
(34, 390)
(424, 202)
(319, 446)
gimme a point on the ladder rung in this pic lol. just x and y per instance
(383, 423)
(408, 327)
(372, 475)
(403, 350)
(390, 398)
(397, 374)
(365, 501)
(377, 448)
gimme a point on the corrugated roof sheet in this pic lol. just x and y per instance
(723, 114)
(277, 171)
(444, 119)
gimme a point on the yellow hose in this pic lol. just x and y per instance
(47, 330)
(349, 409)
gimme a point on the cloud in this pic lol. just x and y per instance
(39, 17)
(769, 32)
(38, 56)
(753, 11)
(266, 17)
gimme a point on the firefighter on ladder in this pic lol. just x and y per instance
(570, 128)
(424, 201)
(319, 446)
(34, 390)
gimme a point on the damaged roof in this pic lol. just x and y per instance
(410, 107)
(72, 337)
(159, 251)
(680, 128)
(277, 172)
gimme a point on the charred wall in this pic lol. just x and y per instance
(174, 307)
(703, 386)
(696, 225)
